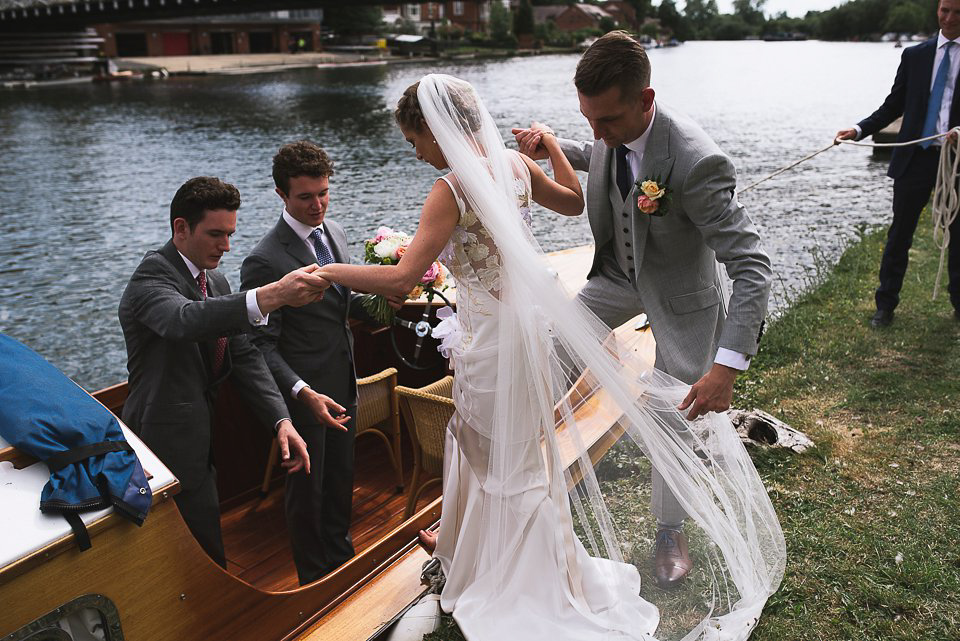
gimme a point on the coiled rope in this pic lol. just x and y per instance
(946, 193)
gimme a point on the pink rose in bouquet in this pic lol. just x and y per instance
(432, 273)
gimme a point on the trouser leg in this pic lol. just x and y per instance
(318, 504)
(200, 509)
(953, 264)
(911, 192)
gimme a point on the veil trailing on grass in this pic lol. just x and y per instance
(601, 415)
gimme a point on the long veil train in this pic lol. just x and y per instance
(545, 339)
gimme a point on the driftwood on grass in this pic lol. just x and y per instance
(756, 427)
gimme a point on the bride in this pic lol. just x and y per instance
(521, 497)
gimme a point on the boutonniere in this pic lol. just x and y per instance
(652, 199)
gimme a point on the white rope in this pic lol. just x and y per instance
(946, 193)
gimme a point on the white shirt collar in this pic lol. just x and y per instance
(301, 230)
(942, 40)
(194, 270)
(640, 143)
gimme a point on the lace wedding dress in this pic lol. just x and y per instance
(533, 537)
(547, 587)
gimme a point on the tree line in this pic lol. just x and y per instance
(853, 20)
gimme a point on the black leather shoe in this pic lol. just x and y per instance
(882, 318)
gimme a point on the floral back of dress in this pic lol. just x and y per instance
(472, 255)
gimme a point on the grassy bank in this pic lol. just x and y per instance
(872, 514)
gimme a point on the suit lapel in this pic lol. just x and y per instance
(599, 211)
(925, 60)
(191, 290)
(293, 244)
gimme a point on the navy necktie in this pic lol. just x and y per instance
(624, 175)
(936, 96)
(324, 257)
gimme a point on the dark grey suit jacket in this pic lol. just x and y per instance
(171, 337)
(314, 342)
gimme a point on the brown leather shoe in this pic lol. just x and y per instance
(671, 559)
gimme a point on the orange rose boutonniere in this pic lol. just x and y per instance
(653, 199)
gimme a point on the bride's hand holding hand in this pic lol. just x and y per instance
(712, 393)
(533, 141)
(298, 287)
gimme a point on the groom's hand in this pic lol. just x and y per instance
(530, 140)
(293, 450)
(712, 393)
(327, 411)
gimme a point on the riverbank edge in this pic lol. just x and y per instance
(869, 514)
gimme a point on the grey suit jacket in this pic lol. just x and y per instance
(171, 336)
(314, 342)
(675, 255)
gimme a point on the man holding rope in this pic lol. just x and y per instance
(924, 94)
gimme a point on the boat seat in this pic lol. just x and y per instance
(426, 411)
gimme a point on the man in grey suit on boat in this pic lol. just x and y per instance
(310, 353)
(186, 333)
(664, 262)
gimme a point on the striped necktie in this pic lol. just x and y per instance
(221, 350)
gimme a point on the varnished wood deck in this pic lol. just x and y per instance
(255, 532)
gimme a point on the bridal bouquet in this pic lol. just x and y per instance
(386, 248)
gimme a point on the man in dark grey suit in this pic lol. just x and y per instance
(185, 334)
(659, 255)
(310, 352)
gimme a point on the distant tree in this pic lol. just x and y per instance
(701, 13)
(671, 19)
(907, 17)
(750, 11)
(500, 22)
(348, 20)
(730, 27)
(642, 8)
(523, 20)
(607, 24)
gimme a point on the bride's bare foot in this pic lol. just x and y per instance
(428, 540)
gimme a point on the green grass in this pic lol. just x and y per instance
(872, 514)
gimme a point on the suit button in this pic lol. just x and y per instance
(629, 257)
(625, 215)
(627, 244)
(626, 231)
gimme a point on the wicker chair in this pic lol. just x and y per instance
(426, 411)
(376, 414)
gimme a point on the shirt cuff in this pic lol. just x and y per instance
(276, 426)
(733, 359)
(299, 385)
(254, 315)
(859, 132)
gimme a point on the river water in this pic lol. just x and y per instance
(87, 171)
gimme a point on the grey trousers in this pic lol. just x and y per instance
(615, 300)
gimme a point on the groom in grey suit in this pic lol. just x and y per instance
(309, 351)
(664, 262)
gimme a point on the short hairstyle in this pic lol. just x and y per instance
(408, 113)
(200, 194)
(614, 60)
(301, 158)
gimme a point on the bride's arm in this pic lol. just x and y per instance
(437, 221)
(562, 194)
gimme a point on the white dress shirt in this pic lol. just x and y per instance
(254, 315)
(725, 356)
(943, 118)
(304, 231)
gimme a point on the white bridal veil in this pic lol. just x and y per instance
(597, 478)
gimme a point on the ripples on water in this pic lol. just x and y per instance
(87, 172)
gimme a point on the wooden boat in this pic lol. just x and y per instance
(154, 583)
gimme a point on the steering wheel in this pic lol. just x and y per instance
(422, 328)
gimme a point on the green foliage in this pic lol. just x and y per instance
(671, 19)
(730, 27)
(750, 11)
(523, 19)
(906, 17)
(501, 22)
(700, 14)
(607, 24)
(348, 20)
